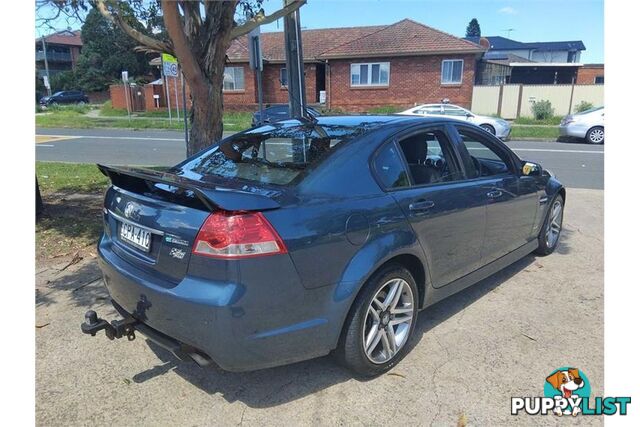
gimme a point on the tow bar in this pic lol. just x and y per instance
(116, 329)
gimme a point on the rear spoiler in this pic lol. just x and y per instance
(213, 197)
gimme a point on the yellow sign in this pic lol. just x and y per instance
(169, 58)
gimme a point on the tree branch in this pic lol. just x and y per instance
(150, 43)
(183, 52)
(260, 19)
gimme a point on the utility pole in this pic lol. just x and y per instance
(46, 65)
(295, 63)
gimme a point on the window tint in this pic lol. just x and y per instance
(485, 159)
(432, 109)
(390, 169)
(272, 154)
(429, 158)
(454, 111)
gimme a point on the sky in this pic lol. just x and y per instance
(529, 21)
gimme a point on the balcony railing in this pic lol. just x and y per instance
(54, 56)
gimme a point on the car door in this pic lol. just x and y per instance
(512, 198)
(446, 212)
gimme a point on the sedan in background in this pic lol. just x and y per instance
(494, 125)
(587, 125)
(276, 112)
(65, 97)
(301, 238)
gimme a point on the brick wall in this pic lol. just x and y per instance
(275, 93)
(238, 99)
(118, 99)
(588, 74)
(412, 79)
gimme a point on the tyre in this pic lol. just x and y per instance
(380, 323)
(81, 103)
(488, 128)
(549, 235)
(595, 135)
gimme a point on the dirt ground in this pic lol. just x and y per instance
(471, 353)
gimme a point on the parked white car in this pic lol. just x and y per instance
(588, 125)
(494, 125)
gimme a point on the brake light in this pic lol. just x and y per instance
(237, 235)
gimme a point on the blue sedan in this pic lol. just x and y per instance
(302, 238)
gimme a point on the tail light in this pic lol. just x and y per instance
(237, 235)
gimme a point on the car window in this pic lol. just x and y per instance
(429, 158)
(272, 154)
(453, 111)
(484, 158)
(434, 109)
(389, 168)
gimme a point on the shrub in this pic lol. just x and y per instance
(542, 109)
(583, 106)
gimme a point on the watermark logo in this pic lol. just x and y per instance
(567, 391)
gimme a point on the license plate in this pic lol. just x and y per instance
(135, 236)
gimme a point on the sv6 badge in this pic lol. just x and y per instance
(177, 253)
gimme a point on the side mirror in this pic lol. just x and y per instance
(469, 115)
(531, 169)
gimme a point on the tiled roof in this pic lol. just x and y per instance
(405, 37)
(66, 37)
(314, 42)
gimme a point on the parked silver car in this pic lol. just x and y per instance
(587, 125)
(494, 125)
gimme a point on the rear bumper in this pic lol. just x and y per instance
(250, 323)
(573, 130)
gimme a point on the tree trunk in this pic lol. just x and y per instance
(206, 128)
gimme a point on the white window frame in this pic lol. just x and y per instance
(369, 74)
(442, 72)
(235, 83)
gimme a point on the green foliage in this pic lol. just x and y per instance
(65, 80)
(542, 109)
(549, 121)
(107, 51)
(583, 106)
(70, 109)
(473, 29)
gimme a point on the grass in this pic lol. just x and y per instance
(385, 109)
(72, 195)
(75, 117)
(525, 132)
(551, 121)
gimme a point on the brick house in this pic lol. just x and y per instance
(359, 68)
(590, 74)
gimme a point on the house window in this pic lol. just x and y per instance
(599, 80)
(233, 78)
(452, 71)
(284, 78)
(371, 74)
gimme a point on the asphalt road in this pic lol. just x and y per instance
(576, 165)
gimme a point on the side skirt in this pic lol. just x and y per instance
(438, 294)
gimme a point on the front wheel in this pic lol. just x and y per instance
(488, 128)
(380, 323)
(595, 135)
(549, 235)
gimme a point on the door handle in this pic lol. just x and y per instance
(421, 205)
(494, 194)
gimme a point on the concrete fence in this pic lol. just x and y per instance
(513, 101)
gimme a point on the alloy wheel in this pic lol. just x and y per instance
(388, 321)
(555, 224)
(596, 136)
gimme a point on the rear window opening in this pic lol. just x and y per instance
(272, 154)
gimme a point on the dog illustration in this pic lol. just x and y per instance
(566, 382)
